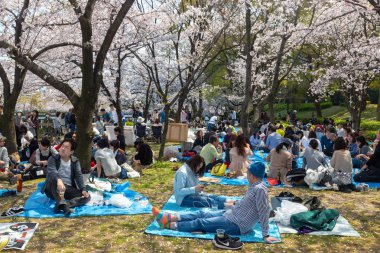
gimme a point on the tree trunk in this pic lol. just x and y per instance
(378, 107)
(148, 99)
(119, 116)
(200, 104)
(318, 108)
(7, 127)
(165, 131)
(181, 102)
(244, 114)
(271, 108)
(84, 133)
(356, 116)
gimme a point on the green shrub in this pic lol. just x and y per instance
(370, 125)
(370, 135)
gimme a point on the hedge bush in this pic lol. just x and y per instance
(301, 107)
(370, 125)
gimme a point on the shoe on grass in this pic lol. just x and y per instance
(227, 242)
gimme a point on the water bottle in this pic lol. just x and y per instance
(19, 183)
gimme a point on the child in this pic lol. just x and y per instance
(99, 125)
(5, 174)
(240, 219)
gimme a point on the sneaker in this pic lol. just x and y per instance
(13, 211)
(232, 243)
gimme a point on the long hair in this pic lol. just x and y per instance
(361, 139)
(231, 144)
(241, 144)
(193, 164)
(281, 146)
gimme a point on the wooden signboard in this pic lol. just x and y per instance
(177, 132)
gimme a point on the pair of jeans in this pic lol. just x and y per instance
(203, 200)
(357, 163)
(210, 126)
(210, 165)
(207, 222)
(72, 194)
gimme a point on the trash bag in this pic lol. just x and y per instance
(286, 210)
(119, 200)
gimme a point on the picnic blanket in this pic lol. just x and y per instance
(6, 192)
(342, 228)
(16, 235)
(171, 206)
(40, 206)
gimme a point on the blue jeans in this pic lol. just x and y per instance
(206, 222)
(210, 126)
(357, 163)
(205, 200)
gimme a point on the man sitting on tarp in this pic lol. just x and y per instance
(64, 179)
(240, 219)
(212, 153)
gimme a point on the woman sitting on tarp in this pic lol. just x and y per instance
(280, 161)
(106, 164)
(364, 150)
(313, 158)
(119, 154)
(187, 189)
(239, 156)
(370, 172)
(342, 163)
(199, 142)
(5, 174)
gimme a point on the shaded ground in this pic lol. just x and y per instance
(126, 233)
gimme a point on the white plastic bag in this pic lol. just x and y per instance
(96, 199)
(133, 174)
(119, 200)
(100, 185)
(286, 210)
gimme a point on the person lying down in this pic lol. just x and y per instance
(238, 220)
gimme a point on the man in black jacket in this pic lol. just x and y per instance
(64, 176)
(144, 152)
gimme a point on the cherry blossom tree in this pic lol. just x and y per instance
(22, 24)
(87, 23)
(349, 59)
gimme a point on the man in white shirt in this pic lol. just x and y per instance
(113, 114)
(212, 122)
(233, 117)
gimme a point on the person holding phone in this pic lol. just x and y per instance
(189, 192)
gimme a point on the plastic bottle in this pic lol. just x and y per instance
(19, 183)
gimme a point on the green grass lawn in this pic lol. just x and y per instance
(126, 233)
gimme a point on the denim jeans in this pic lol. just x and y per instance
(203, 200)
(357, 163)
(210, 126)
(207, 222)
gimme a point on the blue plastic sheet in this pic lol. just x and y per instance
(6, 192)
(40, 206)
(171, 206)
(260, 156)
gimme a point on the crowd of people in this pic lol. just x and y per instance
(338, 147)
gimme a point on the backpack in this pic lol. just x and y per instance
(219, 170)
